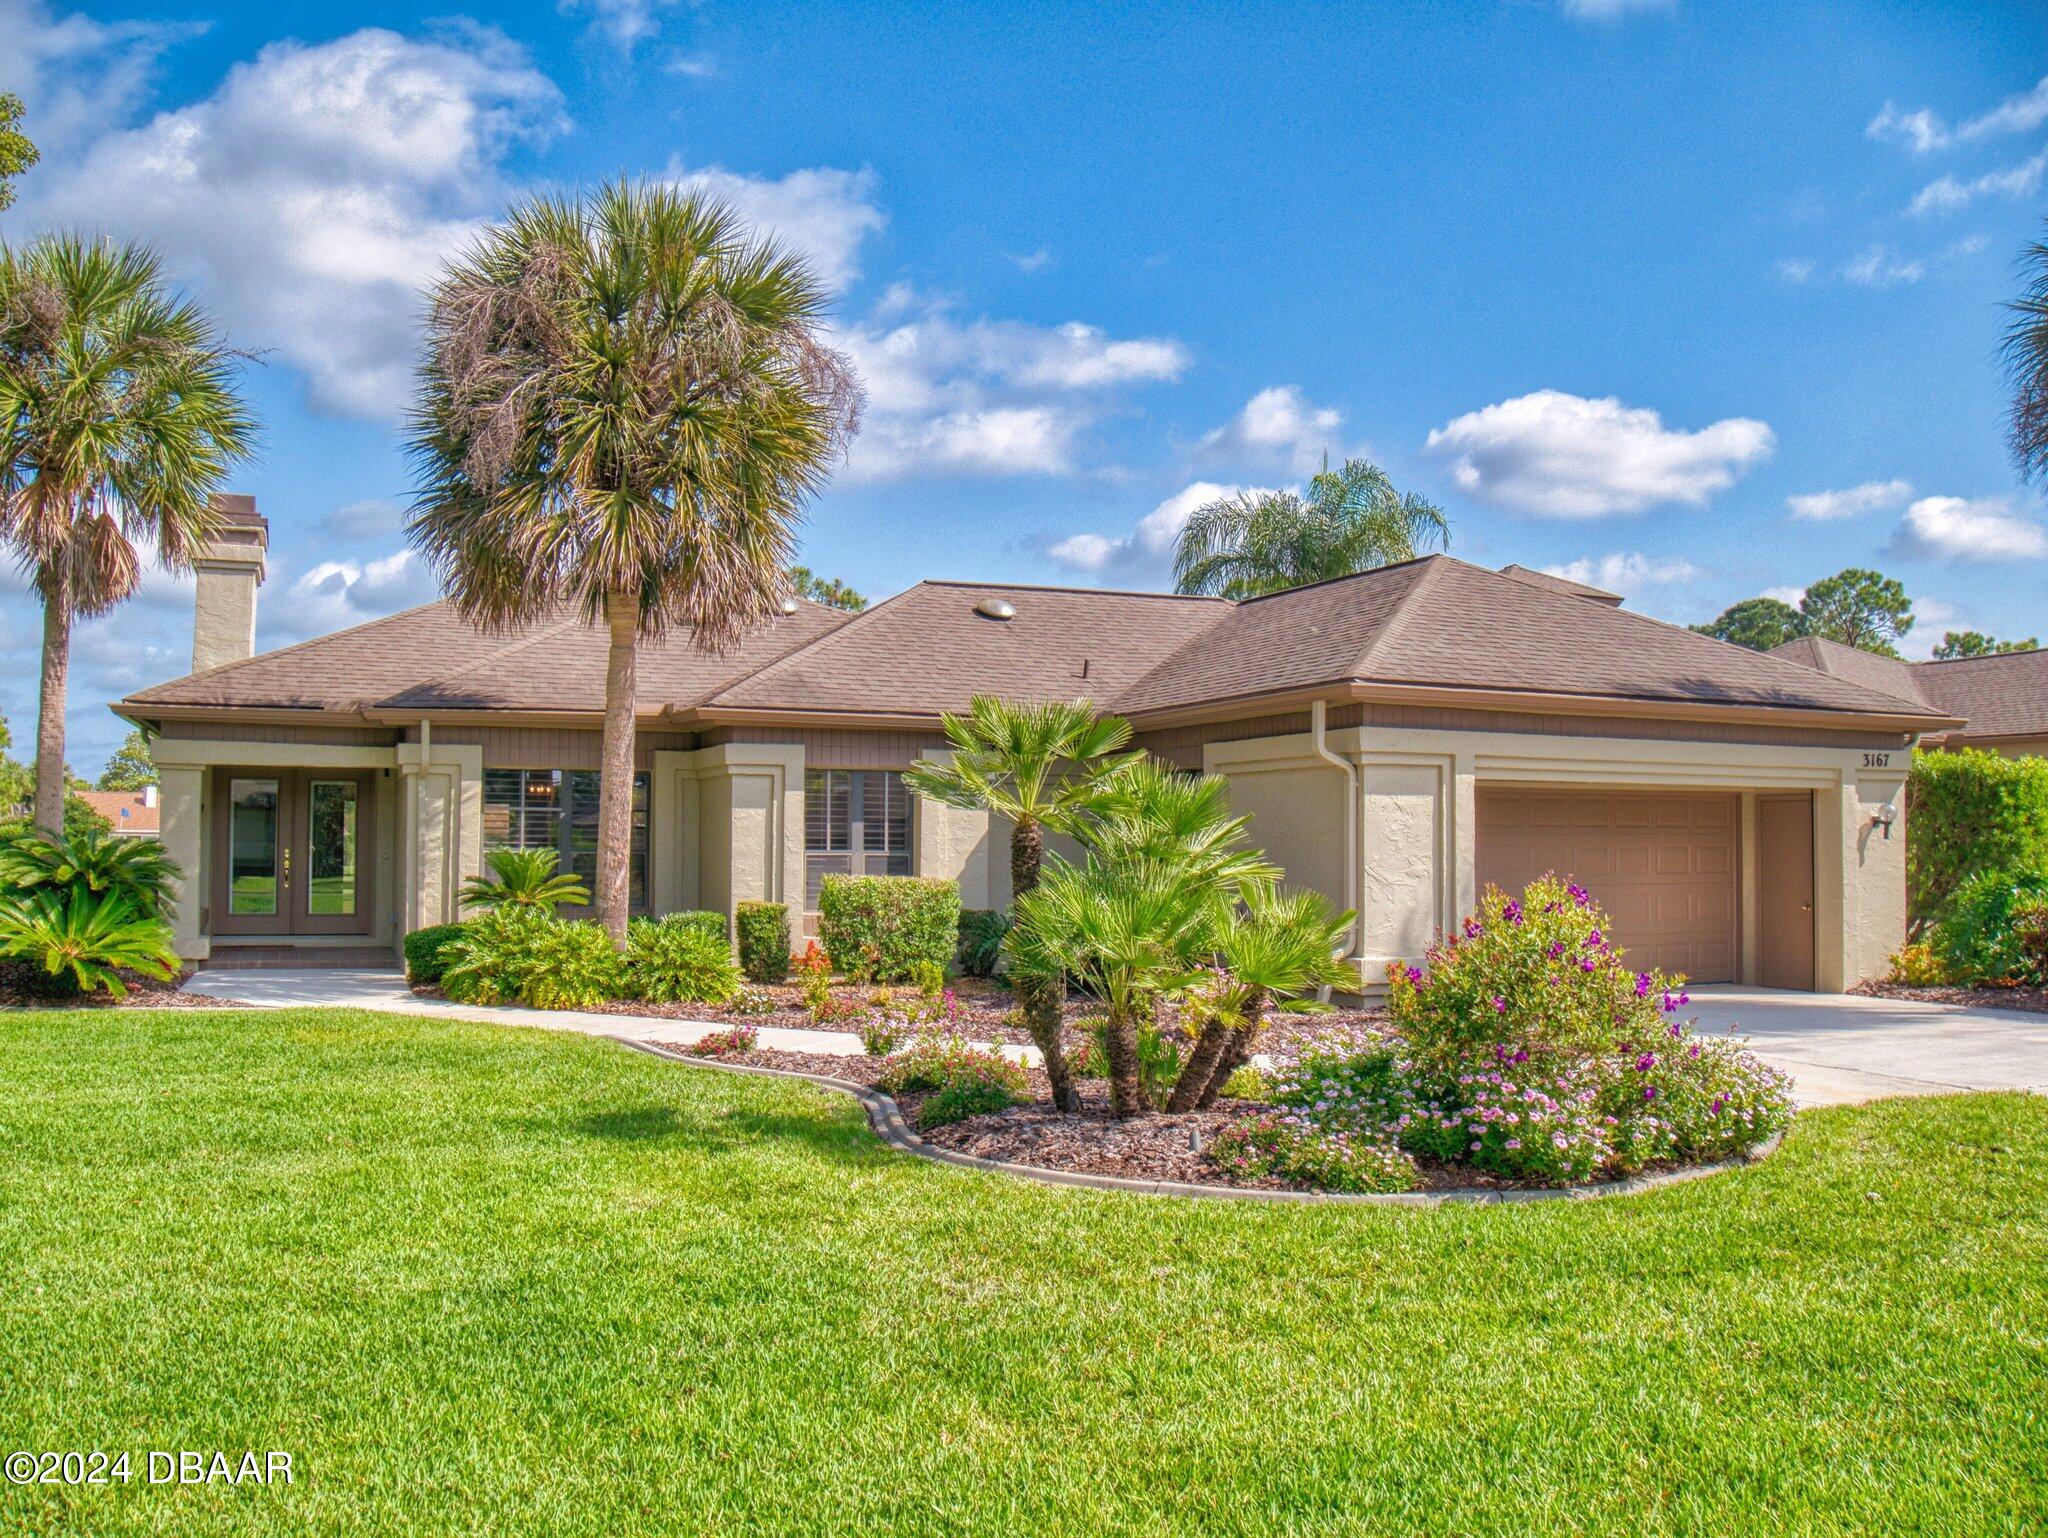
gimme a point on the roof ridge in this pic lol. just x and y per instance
(1936, 662)
(1423, 578)
(818, 640)
(497, 654)
(1057, 587)
(1352, 576)
(284, 651)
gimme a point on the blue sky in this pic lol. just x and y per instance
(1687, 303)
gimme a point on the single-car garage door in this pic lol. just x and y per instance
(1661, 864)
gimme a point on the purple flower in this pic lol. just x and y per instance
(1715, 1108)
(1677, 1030)
(1415, 976)
(1595, 940)
(1554, 950)
(1642, 985)
(1512, 912)
(1646, 1062)
(1579, 894)
(1586, 963)
(1649, 1092)
(1500, 1005)
(1472, 930)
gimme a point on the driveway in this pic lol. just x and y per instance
(1842, 1048)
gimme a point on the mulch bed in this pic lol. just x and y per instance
(143, 993)
(2027, 1000)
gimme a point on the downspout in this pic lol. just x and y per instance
(419, 822)
(1318, 716)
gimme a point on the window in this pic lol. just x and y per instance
(557, 809)
(856, 823)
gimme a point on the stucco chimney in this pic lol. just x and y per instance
(230, 570)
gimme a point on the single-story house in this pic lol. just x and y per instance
(1399, 738)
(2002, 700)
(132, 812)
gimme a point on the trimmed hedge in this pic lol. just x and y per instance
(879, 928)
(1969, 812)
(424, 958)
(712, 923)
(763, 930)
(981, 941)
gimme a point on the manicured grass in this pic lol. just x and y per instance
(491, 1281)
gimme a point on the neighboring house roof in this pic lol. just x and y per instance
(1559, 584)
(1433, 630)
(132, 812)
(1999, 696)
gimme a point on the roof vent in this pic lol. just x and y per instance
(996, 608)
(787, 606)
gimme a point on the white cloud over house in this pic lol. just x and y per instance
(1148, 548)
(1559, 455)
(1279, 426)
(1627, 572)
(1849, 501)
(1969, 530)
(1924, 130)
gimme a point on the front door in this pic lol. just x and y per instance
(1784, 835)
(289, 854)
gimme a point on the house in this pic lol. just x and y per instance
(2002, 700)
(132, 812)
(1400, 738)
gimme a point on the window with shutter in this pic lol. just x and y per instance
(856, 823)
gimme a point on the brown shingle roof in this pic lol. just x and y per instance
(1889, 675)
(927, 650)
(1444, 623)
(1559, 584)
(2002, 696)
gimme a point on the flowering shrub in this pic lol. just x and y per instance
(1693, 1098)
(1536, 973)
(957, 1102)
(943, 1062)
(882, 1027)
(730, 1042)
(749, 1000)
(1292, 1146)
(814, 978)
(1916, 966)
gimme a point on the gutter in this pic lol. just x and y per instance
(1319, 742)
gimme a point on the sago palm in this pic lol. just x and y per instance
(83, 940)
(1351, 520)
(120, 419)
(1041, 767)
(138, 869)
(2026, 357)
(625, 402)
(523, 878)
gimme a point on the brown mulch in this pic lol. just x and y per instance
(143, 993)
(2026, 1000)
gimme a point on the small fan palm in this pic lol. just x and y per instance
(1281, 947)
(1150, 812)
(1040, 766)
(119, 421)
(1257, 542)
(85, 939)
(135, 868)
(526, 878)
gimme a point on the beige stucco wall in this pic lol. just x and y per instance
(954, 844)
(1415, 871)
(224, 606)
(728, 826)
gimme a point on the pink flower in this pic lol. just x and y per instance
(1500, 1005)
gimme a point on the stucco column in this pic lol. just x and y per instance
(182, 829)
(1861, 904)
(750, 819)
(441, 828)
(960, 844)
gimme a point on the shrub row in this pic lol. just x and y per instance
(1968, 813)
(884, 928)
(527, 955)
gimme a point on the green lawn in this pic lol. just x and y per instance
(489, 1281)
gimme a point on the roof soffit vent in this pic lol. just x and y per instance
(996, 608)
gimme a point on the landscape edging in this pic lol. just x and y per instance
(889, 1125)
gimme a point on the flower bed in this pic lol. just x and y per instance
(2028, 1000)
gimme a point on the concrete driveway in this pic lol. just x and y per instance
(1842, 1048)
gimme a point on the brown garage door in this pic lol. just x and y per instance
(1661, 864)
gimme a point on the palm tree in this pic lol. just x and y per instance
(625, 402)
(1152, 813)
(1262, 541)
(2026, 357)
(1039, 766)
(526, 878)
(1281, 947)
(119, 421)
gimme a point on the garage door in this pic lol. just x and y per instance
(1662, 865)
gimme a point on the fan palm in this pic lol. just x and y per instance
(1150, 812)
(2026, 357)
(119, 420)
(526, 878)
(625, 402)
(1262, 541)
(1039, 766)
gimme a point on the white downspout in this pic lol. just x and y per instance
(419, 822)
(1318, 715)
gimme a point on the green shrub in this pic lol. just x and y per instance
(1969, 812)
(1691, 1099)
(1247, 1083)
(763, 930)
(136, 869)
(712, 923)
(1288, 1146)
(749, 1000)
(425, 952)
(957, 1102)
(878, 928)
(942, 1062)
(981, 941)
(1983, 933)
(681, 959)
(83, 940)
(527, 955)
(1160, 1057)
(1916, 966)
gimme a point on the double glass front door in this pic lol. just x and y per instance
(290, 852)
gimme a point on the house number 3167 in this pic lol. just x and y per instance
(1877, 760)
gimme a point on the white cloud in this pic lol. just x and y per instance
(1564, 456)
(1792, 595)
(1627, 572)
(1032, 261)
(1795, 269)
(372, 518)
(1880, 267)
(825, 213)
(1925, 130)
(1149, 546)
(951, 396)
(1611, 10)
(333, 595)
(1870, 497)
(1279, 426)
(74, 74)
(1947, 193)
(318, 190)
(1968, 529)
(625, 24)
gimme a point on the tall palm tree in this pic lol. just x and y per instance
(1262, 541)
(625, 402)
(2026, 357)
(1041, 767)
(120, 419)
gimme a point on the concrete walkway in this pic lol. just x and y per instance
(1839, 1049)
(337, 988)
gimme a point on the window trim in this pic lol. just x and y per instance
(857, 854)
